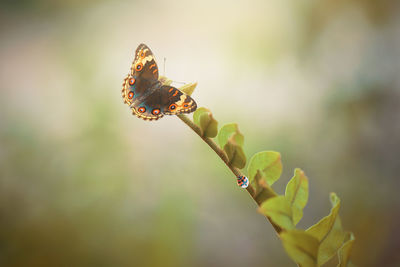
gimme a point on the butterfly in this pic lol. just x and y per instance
(145, 94)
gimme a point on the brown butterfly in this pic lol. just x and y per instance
(145, 94)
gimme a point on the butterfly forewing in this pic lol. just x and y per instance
(144, 64)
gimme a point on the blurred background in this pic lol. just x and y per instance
(85, 183)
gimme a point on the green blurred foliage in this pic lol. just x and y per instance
(319, 243)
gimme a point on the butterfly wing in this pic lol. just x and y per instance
(144, 65)
(142, 78)
(136, 89)
(164, 100)
(174, 101)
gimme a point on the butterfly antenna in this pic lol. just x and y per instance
(165, 59)
(179, 82)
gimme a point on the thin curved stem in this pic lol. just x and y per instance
(217, 150)
(221, 153)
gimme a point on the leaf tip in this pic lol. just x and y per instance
(333, 197)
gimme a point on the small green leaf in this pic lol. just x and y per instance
(297, 194)
(329, 232)
(301, 247)
(235, 153)
(345, 251)
(266, 164)
(321, 229)
(197, 114)
(188, 88)
(164, 80)
(279, 211)
(227, 131)
(208, 125)
(263, 192)
(332, 243)
(204, 119)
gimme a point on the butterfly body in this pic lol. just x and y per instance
(148, 98)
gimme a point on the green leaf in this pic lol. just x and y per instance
(209, 125)
(198, 113)
(301, 247)
(279, 211)
(332, 243)
(297, 194)
(227, 131)
(188, 88)
(231, 140)
(204, 119)
(164, 80)
(329, 232)
(235, 153)
(321, 229)
(345, 251)
(267, 165)
(263, 192)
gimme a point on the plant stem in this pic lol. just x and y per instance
(221, 153)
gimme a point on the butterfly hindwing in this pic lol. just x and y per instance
(165, 100)
(135, 90)
(174, 101)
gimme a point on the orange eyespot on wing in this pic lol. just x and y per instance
(172, 107)
(132, 81)
(130, 95)
(139, 67)
(142, 109)
(155, 111)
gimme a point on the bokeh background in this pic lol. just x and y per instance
(85, 183)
